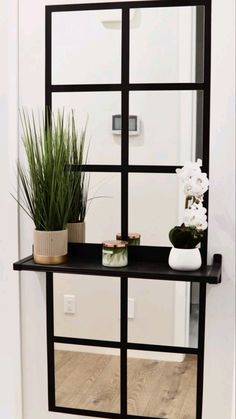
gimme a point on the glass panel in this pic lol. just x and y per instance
(87, 377)
(96, 303)
(165, 313)
(170, 127)
(166, 45)
(103, 217)
(88, 50)
(155, 206)
(97, 109)
(162, 385)
(194, 314)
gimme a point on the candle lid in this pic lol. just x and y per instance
(115, 243)
(134, 236)
(131, 236)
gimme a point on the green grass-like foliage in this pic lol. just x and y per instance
(48, 189)
(183, 237)
(79, 180)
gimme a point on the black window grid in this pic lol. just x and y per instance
(124, 169)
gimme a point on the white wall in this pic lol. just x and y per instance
(220, 303)
(220, 325)
(10, 362)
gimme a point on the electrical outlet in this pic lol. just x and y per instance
(69, 304)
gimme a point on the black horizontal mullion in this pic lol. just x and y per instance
(152, 169)
(143, 417)
(166, 3)
(95, 168)
(86, 342)
(166, 86)
(60, 88)
(122, 4)
(94, 413)
(161, 348)
(85, 412)
(130, 345)
(118, 168)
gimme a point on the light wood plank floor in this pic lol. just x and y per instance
(155, 388)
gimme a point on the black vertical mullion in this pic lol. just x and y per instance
(124, 203)
(48, 59)
(201, 346)
(123, 352)
(206, 109)
(206, 155)
(50, 341)
(124, 122)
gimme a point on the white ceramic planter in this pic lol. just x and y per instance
(50, 247)
(185, 259)
(76, 232)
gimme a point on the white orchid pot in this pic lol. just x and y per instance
(185, 259)
(50, 247)
(76, 232)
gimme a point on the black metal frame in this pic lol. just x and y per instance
(125, 87)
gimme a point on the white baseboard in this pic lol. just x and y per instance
(156, 356)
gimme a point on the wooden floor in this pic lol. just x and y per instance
(155, 388)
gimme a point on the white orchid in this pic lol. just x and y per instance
(195, 216)
(189, 170)
(195, 182)
(196, 186)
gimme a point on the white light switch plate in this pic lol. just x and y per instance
(69, 304)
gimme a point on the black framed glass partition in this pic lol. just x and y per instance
(149, 60)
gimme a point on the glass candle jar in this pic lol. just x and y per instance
(133, 239)
(115, 253)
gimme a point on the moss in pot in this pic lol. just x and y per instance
(185, 254)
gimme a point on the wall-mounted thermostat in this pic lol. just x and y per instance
(134, 125)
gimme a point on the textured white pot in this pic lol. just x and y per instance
(185, 259)
(50, 247)
(76, 232)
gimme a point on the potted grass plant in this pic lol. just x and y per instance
(45, 186)
(80, 185)
(185, 254)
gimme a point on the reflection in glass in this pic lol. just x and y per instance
(194, 314)
(170, 127)
(88, 50)
(103, 218)
(166, 45)
(154, 206)
(95, 109)
(159, 384)
(97, 307)
(167, 313)
(87, 378)
(162, 385)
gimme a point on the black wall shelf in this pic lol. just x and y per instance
(144, 262)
